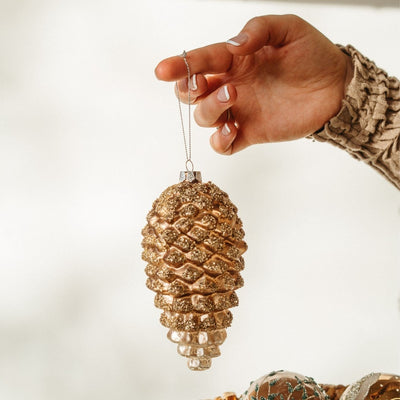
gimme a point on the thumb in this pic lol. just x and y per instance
(267, 30)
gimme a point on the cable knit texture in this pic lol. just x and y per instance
(368, 124)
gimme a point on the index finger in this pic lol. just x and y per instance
(212, 59)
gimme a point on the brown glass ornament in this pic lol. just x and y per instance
(193, 244)
(284, 385)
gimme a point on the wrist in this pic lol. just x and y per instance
(349, 72)
(341, 89)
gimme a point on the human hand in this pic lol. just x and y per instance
(280, 79)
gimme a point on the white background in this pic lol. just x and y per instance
(89, 138)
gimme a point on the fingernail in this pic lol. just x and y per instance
(226, 130)
(223, 94)
(238, 40)
(193, 83)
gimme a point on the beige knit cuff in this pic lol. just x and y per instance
(368, 124)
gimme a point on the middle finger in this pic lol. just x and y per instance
(210, 109)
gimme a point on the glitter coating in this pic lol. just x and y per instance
(193, 244)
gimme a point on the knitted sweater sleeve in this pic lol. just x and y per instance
(368, 124)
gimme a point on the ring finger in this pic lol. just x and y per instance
(210, 109)
(197, 85)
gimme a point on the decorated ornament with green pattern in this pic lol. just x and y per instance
(284, 385)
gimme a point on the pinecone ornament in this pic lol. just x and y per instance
(193, 244)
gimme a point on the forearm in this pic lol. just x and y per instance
(368, 124)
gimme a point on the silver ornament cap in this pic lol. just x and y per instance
(190, 176)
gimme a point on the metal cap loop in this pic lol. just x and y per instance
(189, 165)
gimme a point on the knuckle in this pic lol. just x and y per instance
(256, 20)
(294, 19)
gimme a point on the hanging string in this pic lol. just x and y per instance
(187, 142)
